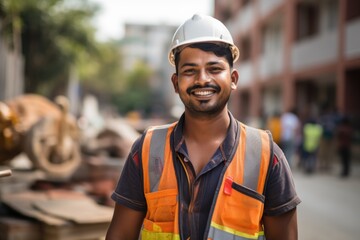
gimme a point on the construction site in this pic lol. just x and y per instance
(71, 106)
(57, 172)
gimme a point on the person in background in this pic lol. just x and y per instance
(274, 126)
(290, 134)
(328, 120)
(206, 176)
(343, 139)
(312, 133)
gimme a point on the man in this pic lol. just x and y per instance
(312, 132)
(344, 135)
(206, 176)
(290, 134)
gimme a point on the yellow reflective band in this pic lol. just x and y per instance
(156, 228)
(147, 235)
(237, 233)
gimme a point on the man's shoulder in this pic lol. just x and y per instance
(137, 145)
(244, 125)
(160, 127)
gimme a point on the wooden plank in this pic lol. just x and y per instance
(23, 203)
(14, 229)
(76, 232)
(82, 211)
(66, 215)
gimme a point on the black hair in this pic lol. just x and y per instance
(220, 50)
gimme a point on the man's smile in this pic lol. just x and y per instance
(203, 92)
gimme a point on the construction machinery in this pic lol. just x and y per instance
(42, 129)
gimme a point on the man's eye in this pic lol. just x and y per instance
(188, 71)
(215, 69)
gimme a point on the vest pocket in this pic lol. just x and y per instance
(242, 209)
(249, 192)
(161, 205)
(157, 227)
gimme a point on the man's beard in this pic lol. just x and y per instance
(211, 110)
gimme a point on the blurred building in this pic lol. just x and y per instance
(294, 53)
(11, 69)
(149, 44)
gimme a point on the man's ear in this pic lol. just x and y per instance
(174, 80)
(234, 79)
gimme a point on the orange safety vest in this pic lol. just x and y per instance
(239, 205)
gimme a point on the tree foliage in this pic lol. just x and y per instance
(137, 94)
(57, 38)
(103, 74)
(53, 34)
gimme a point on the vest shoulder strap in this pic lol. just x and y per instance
(153, 153)
(259, 145)
(154, 148)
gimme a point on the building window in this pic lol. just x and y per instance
(246, 2)
(307, 20)
(245, 49)
(352, 9)
(332, 9)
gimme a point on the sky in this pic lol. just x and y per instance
(114, 13)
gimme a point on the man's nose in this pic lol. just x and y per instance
(203, 77)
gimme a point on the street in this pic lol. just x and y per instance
(330, 205)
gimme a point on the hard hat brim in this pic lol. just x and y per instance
(171, 55)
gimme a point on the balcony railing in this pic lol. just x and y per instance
(352, 41)
(266, 6)
(271, 64)
(317, 50)
(245, 73)
(243, 20)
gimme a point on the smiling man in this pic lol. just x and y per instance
(206, 176)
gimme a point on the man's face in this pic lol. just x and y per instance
(204, 81)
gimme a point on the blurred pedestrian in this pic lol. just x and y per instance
(290, 134)
(206, 176)
(312, 133)
(344, 139)
(328, 121)
(273, 124)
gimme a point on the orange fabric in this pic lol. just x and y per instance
(162, 214)
(265, 160)
(145, 159)
(274, 125)
(237, 211)
(168, 179)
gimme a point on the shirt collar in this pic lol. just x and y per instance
(225, 148)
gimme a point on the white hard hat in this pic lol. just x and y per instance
(201, 28)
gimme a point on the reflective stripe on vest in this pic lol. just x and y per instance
(240, 194)
(157, 149)
(160, 186)
(219, 232)
(240, 202)
(253, 151)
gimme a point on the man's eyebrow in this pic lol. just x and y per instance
(188, 65)
(214, 62)
(194, 64)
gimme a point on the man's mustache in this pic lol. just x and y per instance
(192, 88)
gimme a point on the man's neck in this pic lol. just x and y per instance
(206, 128)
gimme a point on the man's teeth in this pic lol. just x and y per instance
(203, 93)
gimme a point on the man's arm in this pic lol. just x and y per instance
(282, 227)
(125, 224)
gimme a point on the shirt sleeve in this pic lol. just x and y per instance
(280, 193)
(129, 190)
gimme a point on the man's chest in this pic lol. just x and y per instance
(196, 196)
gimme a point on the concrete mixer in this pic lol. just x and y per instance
(44, 130)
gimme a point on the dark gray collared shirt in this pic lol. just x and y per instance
(196, 191)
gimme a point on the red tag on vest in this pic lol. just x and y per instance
(228, 185)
